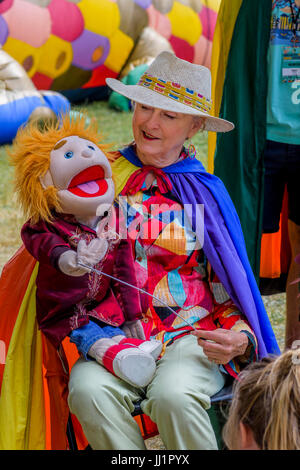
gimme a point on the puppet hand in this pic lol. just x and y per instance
(134, 329)
(92, 253)
(67, 263)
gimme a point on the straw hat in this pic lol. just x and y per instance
(175, 85)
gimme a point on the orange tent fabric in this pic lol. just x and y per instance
(55, 364)
(15, 275)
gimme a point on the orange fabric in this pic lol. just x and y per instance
(56, 366)
(56, 377)
(13, 284)
(146, 425)
(270, 266)
(275, 253)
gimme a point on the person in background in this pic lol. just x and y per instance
(261, 157)
(282, 151)
(265, 410)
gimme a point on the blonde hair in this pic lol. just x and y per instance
(267, 399)
(30, 156)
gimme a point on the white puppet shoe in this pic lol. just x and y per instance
(152, 347)
(130, 364)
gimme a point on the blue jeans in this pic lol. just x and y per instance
(88, 334)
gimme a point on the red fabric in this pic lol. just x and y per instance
(134, 341)
(98, 77)
(41, 81)
(136, 180)
(111, 354)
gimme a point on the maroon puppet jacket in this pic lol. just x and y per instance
(64, 302)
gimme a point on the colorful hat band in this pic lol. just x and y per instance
(176, 92)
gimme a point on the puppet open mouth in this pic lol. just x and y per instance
(89, 182)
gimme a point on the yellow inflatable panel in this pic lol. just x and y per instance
(185, 23)
(100, 16)
(120, 48)
(56, 57)
(213, 4)
(24, 54)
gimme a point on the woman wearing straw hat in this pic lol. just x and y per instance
(190, 253)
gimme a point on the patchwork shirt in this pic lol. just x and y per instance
(170, 264)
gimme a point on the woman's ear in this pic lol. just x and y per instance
(247, 441)
(46, 180)
(197, 125)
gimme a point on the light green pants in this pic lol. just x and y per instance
(175, 400)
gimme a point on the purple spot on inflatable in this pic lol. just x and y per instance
(143, 3)
(90, 50)
(3, 31)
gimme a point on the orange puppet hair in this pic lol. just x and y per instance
(30, 156)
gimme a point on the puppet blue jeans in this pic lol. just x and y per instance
(88, 334)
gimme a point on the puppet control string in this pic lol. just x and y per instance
(137, 288)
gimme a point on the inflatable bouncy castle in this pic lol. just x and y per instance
(72, 46)
(63, 50)
(20, 101)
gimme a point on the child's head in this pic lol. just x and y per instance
(61, 167)
(265, 410)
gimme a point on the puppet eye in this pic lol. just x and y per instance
(91, 147)
(68, 154)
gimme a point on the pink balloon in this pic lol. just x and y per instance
(159, 22)
(28, 22)
(202, 52)
(182, 48)
(67, 19)
(5, 5)
(208, 19)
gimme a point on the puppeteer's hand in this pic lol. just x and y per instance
(134, 329)
(221, 345)
(89, 254)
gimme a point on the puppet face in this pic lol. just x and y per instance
(82, 175)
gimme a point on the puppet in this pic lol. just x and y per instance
(64, 184)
